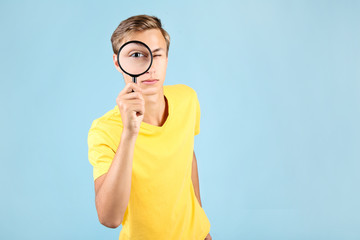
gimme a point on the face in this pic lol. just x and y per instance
(157, 44)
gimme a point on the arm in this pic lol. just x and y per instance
(112, 190)
(195, 178)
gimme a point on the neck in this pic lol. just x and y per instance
(155, 109)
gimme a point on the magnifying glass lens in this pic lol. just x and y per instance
(135, 58)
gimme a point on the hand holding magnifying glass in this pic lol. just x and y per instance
(134, 58)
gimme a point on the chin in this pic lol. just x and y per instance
(151, 90)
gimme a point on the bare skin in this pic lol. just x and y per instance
(195, 181)
(147, 103)
(153, 95)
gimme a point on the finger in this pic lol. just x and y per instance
(132, 95)
(128, 89)
(125, 89)
(138, 108)
(133, 86)
(133, 102)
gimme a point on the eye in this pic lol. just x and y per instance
(137, 54)
(157, 55)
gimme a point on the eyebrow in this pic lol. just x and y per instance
(158, 49)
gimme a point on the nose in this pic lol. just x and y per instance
(152, 69)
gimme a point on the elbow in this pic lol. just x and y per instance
(110, 221)
(116, 225)
(110, 224)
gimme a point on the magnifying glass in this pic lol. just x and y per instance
(134, 58)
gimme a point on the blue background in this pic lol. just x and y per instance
(279, 89)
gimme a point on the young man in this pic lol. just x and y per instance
(142, 151)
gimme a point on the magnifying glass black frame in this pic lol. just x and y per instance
(134, 76)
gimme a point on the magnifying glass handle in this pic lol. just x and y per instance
(134, 80)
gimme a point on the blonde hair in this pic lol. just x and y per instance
(135, 24)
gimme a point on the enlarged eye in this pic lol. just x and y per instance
(137, 54)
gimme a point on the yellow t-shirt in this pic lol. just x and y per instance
(162, 201)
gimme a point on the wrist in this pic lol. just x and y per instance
(128, 135)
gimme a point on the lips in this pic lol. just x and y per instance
(150, 80)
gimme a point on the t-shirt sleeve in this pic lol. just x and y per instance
(197, 115)
(100, 153)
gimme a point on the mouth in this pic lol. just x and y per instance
(150, 80)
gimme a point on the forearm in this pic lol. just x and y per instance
(195, 179)
(114, 194)
(197, 192)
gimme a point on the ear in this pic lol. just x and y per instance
(116, 63)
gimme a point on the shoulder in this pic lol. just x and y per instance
(106, 122)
